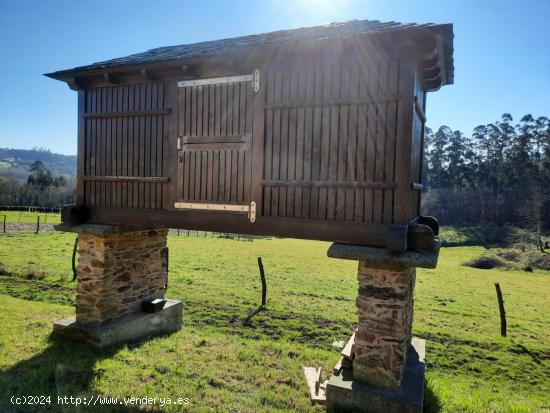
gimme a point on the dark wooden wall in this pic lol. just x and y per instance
(124, 139)
(327, 148)
(330, 134)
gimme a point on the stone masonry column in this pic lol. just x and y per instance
(121, 270)
(385, 314)
(382, 367)
(117, 272)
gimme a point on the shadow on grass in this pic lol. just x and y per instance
(62, 369)
(432, 404)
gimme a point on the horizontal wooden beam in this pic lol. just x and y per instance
(331, 184)
(336, 231)
(106, 115)
(333, 102)
(217, 139)
(149, 179)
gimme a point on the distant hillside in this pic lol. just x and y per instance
(16, 162)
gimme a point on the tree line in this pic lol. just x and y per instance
(498, 175)
(42, 188)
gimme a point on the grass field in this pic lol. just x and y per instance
(26, 217)
(231, 356)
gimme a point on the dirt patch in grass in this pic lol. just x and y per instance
(33, 290)
(486, 263)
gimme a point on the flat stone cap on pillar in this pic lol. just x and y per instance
(97, 229)
(382, 257)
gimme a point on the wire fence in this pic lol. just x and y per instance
(41, 219)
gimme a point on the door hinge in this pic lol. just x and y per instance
(249, 209)
(256, 80)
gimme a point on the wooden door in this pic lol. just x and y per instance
(215, 144)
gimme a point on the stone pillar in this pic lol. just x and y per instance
(118, 269)
(383, 336)
(382, 369)
(116, 272)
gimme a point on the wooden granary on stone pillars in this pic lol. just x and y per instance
(313, 133)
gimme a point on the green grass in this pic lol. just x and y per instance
(5, 165)
(26, 217)
(231, 357)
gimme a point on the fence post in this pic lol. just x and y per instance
(501, 310)
(264, 284)
(4, 224)
(37, 224)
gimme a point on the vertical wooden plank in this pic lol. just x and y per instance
(234, 174)
(300, 142)
(203, 175)
(402, 194)
(216, 176)
(145, 167)
(276, 144)
(342, 144)
(109, 148)
(154, 146)
(308, 141)
(102, 137)
(268, 145)
(240, 176)
(292, 119)
(160, 146)
(194, 109)
(205, 108)
(192, 174)
(351, 157)
(89, 147)
(227, 175)
(320, 145)
(380, 143)
(283, 168)
(334, 143)
(142, 138)
(391, 127)
(222, 177)
(360, 162)
(253, 160)
(229, 106)
(223, 110)
(94, 149)
(371, 145)
(209, 174)
(211, 109)
(131, 146)
(236, 107)
(218, 109)
(81, 147)
(124, 149)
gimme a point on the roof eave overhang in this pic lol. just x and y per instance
(78, 79)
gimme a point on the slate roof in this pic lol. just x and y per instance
(272, 39)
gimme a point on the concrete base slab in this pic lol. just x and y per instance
(344, 394)
(130, 327)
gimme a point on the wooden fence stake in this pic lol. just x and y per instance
(37, 224)
(264, 284)
(73, 262)
(4, 230)
(501, 311)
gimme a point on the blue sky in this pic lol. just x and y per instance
(502, 51)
